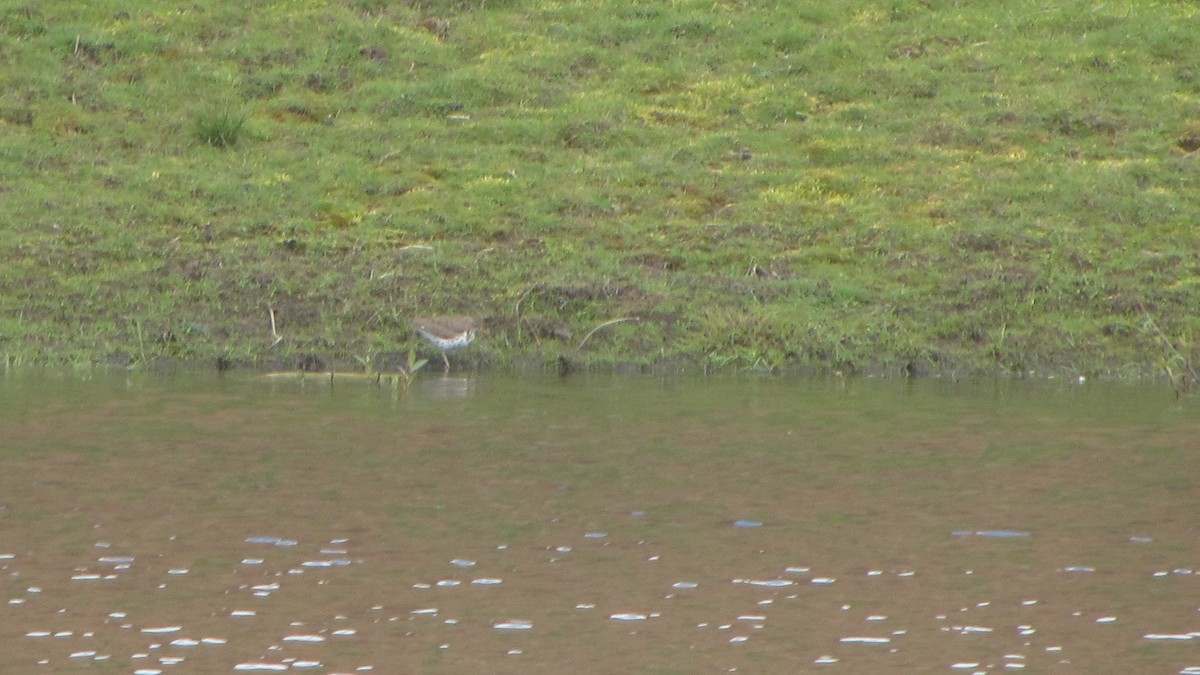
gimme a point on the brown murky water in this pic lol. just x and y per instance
(596, 525)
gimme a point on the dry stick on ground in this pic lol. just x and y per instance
(524, 295)
(517, 308)
(532, 332)
(606, 323)
(277, 336)
(1187, 364)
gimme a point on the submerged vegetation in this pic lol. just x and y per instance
(906, 187)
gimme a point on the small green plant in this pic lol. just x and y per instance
(409, 370)
(404, 374)
(220, 130)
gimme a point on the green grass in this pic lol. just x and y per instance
(220, 130)
(903, 187)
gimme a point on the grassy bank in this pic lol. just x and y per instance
(866, 186)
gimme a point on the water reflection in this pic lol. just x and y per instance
(603, 524)
(445, 388)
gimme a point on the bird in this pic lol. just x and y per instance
(447, 333)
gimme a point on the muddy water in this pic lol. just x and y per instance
(596, 525)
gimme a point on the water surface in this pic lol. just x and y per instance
(502, 525)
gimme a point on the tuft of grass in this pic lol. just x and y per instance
(219, 129)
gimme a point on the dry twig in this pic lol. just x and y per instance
(606, 323)
(274, 333)
(1187, 364)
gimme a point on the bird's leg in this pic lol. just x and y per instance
(446, 360)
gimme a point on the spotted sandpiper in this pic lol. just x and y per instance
(447, 333)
